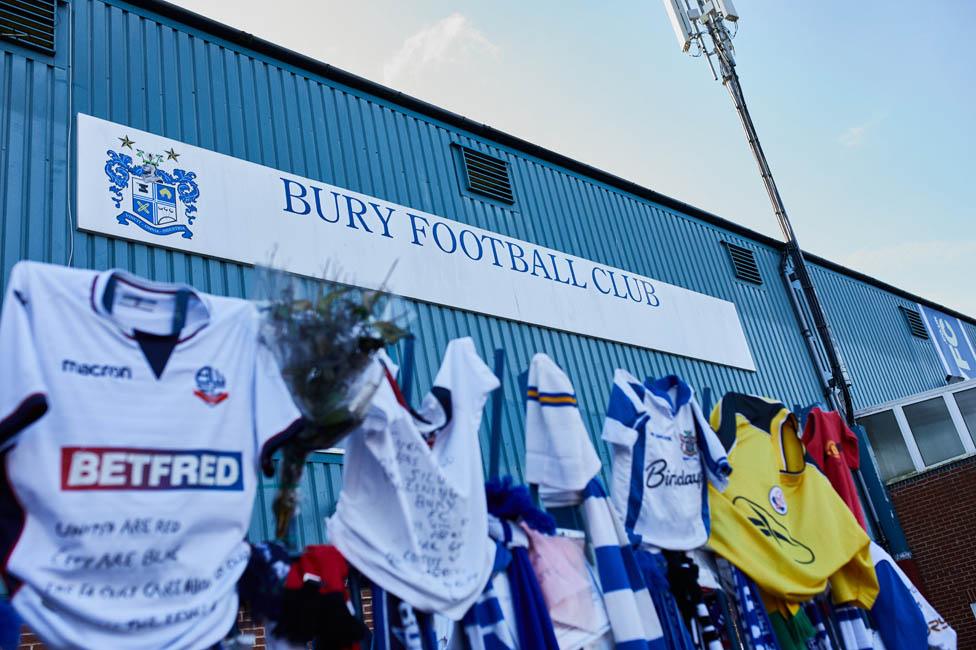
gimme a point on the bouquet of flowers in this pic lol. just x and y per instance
(324, 336)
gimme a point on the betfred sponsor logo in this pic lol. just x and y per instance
(126, 468)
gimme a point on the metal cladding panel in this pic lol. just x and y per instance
(884, 360)
(134, 69)
(319, 493)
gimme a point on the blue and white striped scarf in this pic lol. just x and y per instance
(633, 619)
(819, 641)
(755, 621)
(485, 625)
(853, 629)
(397, 626)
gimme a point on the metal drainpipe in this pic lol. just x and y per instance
(809, 337)
(805, 330)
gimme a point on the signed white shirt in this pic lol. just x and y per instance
(412, 516)
(132, 458)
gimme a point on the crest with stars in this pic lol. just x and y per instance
(161, 202)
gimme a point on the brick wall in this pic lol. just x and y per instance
(247, 626)
(28, 641)
(938, 512)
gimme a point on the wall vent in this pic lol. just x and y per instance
(29, 23)
(743, 263)
(915, 324)
(487, 175)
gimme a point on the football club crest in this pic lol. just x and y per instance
(777, 499)
(160, 202)
(832, 449)
(210, 386)
(689, 443)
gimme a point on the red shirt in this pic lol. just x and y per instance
(833, 447)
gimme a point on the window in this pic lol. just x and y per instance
(888, 445)
(29, 23)
(933, 430)
(966, 401)
(923, 431)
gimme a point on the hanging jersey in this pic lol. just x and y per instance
(129, 500)
(779, 519)
(664, 452)
(893, 614)
(412, 516)
(565, 462)
(833, 447)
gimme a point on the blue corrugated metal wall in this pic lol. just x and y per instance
(320, 492)
(128, 67)
(884, 360)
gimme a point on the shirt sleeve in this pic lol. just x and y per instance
(623, 413)
(23, 391)
(812, 437)
(276, 418)
(714, 457)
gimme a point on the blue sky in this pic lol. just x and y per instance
(865, 109)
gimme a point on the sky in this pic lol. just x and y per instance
(865, 109)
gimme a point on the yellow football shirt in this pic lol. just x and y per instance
(779, 520)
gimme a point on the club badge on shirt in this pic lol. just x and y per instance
(210, 384)
(778, 500)
(832, 449)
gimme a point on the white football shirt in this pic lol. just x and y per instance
(412, 514)
(941, 635)
(131, 455)
(663, 452)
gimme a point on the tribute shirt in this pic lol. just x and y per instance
(664, 454)
(903, 617)
(131, 455)
(412, 515)
(779, 520)
(833, 446)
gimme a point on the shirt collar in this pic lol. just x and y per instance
(661, 388)
(196, 314)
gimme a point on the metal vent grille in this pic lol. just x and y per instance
(29, 23)
(915, 324)
(487, 175)
(744, 263)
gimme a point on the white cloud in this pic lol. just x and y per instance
(856, 136)
(853, 137)
(450, 39)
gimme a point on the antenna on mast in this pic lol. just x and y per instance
(703, 26)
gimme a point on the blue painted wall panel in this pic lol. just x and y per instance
(319, 493)
(884, 360)
(129, 67)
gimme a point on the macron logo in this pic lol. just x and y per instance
(125, 468)
(96, 369)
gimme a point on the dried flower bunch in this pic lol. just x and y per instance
(324, 338)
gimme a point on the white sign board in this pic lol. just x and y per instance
(139, 186)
